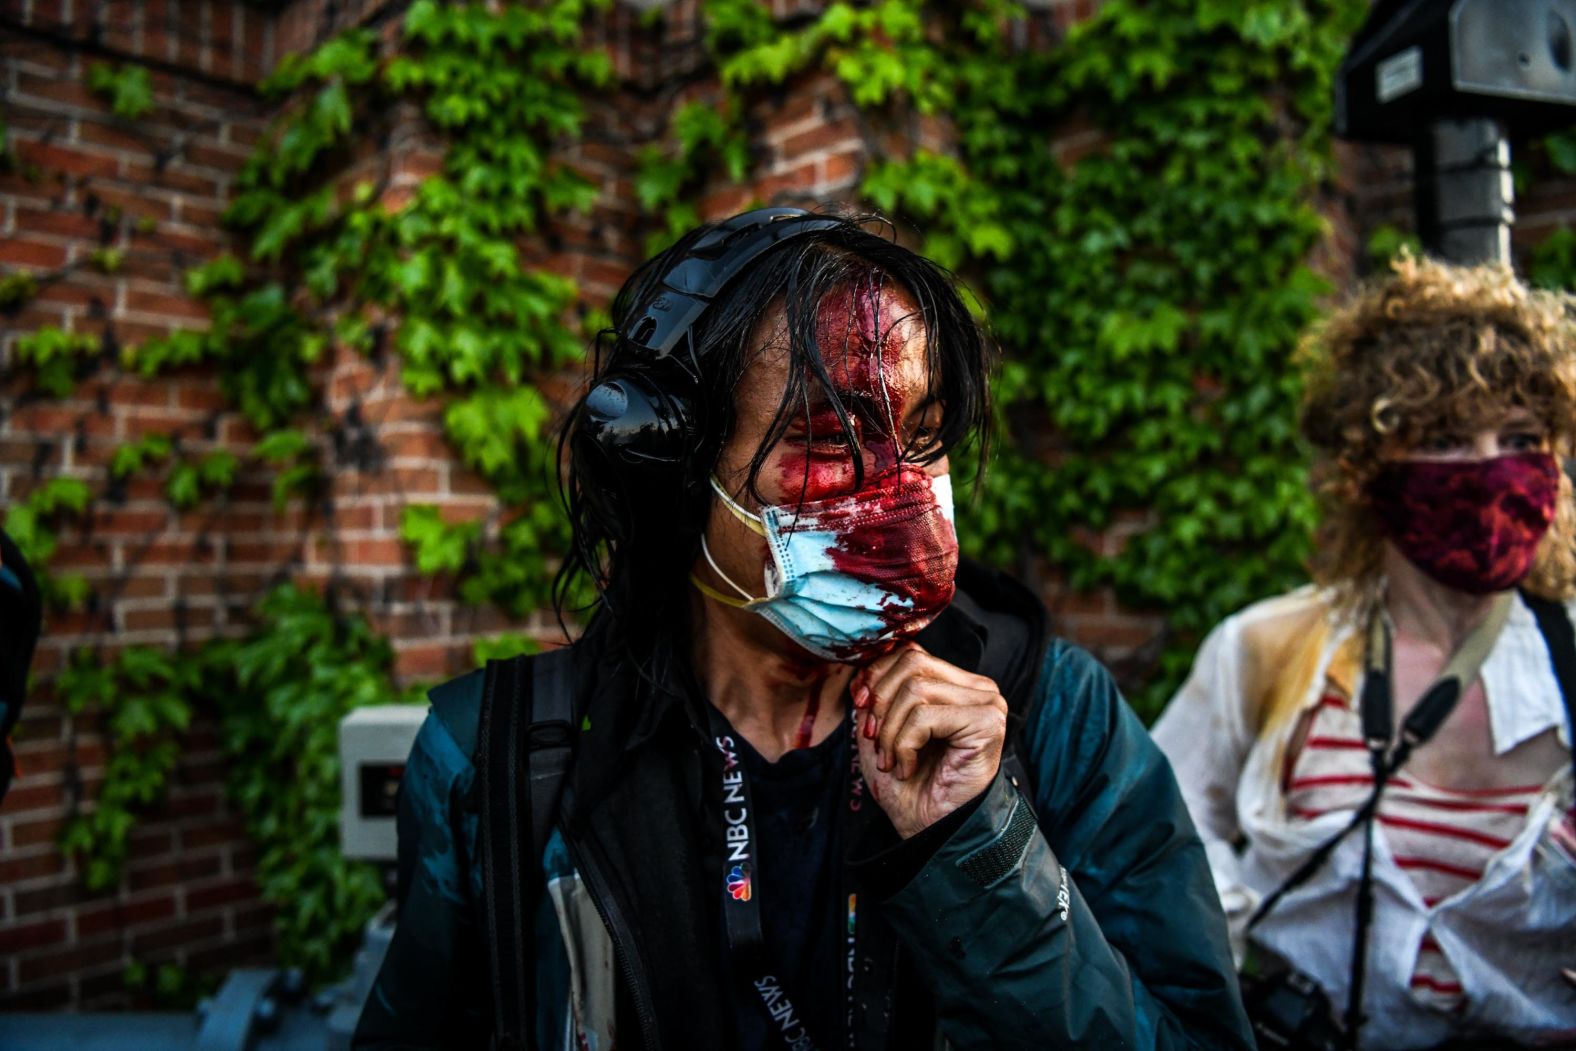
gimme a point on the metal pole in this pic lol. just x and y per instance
(1466, 199)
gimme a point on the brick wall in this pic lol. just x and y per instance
(156, 189)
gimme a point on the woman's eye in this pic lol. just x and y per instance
(1525, 441)
(1444, 443)
(838, 439)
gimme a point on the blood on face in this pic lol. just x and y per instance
(871, 341)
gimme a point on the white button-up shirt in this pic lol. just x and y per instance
(1507, 936)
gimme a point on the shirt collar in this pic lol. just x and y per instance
(1523, 695)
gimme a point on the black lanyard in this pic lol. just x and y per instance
(869, 947)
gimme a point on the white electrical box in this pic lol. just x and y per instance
(374, 743)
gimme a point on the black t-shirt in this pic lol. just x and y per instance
(799, 883)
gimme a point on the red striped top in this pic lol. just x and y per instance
(1443, 839)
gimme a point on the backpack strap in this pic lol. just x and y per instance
(549, 740)
(503, 891)
(1559, 635)
(509, 882)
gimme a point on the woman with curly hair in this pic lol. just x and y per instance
(1380, 763)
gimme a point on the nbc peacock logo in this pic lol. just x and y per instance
(739, 882)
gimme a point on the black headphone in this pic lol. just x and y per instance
(635, 430)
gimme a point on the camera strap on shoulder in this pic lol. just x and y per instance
(510, 883)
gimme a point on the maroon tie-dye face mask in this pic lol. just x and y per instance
(1473, 525)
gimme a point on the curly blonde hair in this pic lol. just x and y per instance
(1433, 352)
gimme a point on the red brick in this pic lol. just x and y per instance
(264, 553)
(174, 178)
(33, 833)
(205, 397)
(50, 896)
(47, 756)
(18, 251)
(117, 136)
(145, 843)
(194, 804)
(425, 661)
(842, 169)
(71, 91)
(135, 620)
(20, 937)
(60, 222)
(418, 445)
(210, 154)
(166, 936)
(260, 914)
(115, 520)
(389, 551)
(174, 552)
(119, 915)
(173, 872)
(250, 949)
(192, 241)
(165, 304)
(15, 869)
(227, 893)
(821, 137)
(60, 159)
(402, 482)
(1110, 633)
(245, 134)
(209, 834)
(67, 960)
(232, 583)
(24, 797)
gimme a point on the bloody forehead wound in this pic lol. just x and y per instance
(861, 336)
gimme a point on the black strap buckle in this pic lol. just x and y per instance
(552, 733)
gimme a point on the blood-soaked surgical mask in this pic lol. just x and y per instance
(1473, 525)
(852, 576)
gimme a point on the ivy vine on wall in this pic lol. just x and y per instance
(328, 265)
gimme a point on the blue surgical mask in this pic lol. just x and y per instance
(852, 576)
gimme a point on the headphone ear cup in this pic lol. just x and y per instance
(631, 444)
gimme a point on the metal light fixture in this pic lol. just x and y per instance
(1455, 80)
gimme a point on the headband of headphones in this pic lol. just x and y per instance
(714, 260)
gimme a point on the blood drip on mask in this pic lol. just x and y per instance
(891, 555)
(863, 330)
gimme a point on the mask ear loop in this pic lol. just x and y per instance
(711, 592)
(705, 549)
(753, 521)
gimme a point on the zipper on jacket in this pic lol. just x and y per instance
(618, 933)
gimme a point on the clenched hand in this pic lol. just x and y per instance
(930, 735)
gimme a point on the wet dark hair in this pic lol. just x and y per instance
(640, 565)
